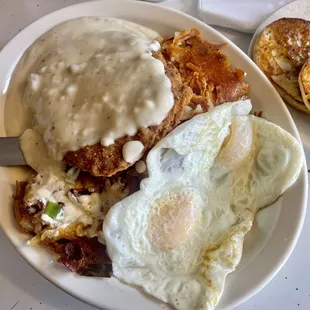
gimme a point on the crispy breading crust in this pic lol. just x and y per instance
(107, 161)
(281, 50)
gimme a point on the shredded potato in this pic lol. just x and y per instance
(205, 69)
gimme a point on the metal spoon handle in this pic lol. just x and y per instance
(10, 152)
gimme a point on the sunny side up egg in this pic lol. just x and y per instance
(182, 233)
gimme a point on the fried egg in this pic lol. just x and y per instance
(182, 233)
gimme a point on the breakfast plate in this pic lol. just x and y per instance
(276, 229)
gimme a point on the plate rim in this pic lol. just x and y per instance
(298, 229)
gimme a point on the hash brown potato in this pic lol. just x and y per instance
(205, 69)
(280, 51)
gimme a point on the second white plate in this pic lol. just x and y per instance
(295, 9)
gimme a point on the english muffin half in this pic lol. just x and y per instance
(280, 51)
(304, 82)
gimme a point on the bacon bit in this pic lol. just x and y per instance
(258, 114)
(86, 256)
(72, 251)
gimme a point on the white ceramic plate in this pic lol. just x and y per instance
(296, 9)
(277, 228)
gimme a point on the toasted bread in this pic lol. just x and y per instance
(280, 51)
(289, 84)
(288, 88)
(290, 100)
(304, 83)
(293, 34)
(273, 59)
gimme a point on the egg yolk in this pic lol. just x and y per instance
(173, 220)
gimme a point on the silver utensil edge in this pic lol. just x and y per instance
(10, 152)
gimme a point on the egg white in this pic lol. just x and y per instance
(182, 233)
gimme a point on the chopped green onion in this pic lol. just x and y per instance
(52, 209)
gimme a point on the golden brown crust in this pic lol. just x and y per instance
(293, 34)
(280, 51)
(304, 83)
(273, 59)
(107, 161)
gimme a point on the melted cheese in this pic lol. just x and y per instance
(88, 210)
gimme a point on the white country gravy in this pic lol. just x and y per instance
(132, 151)
(140, 166)
(91, 80)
